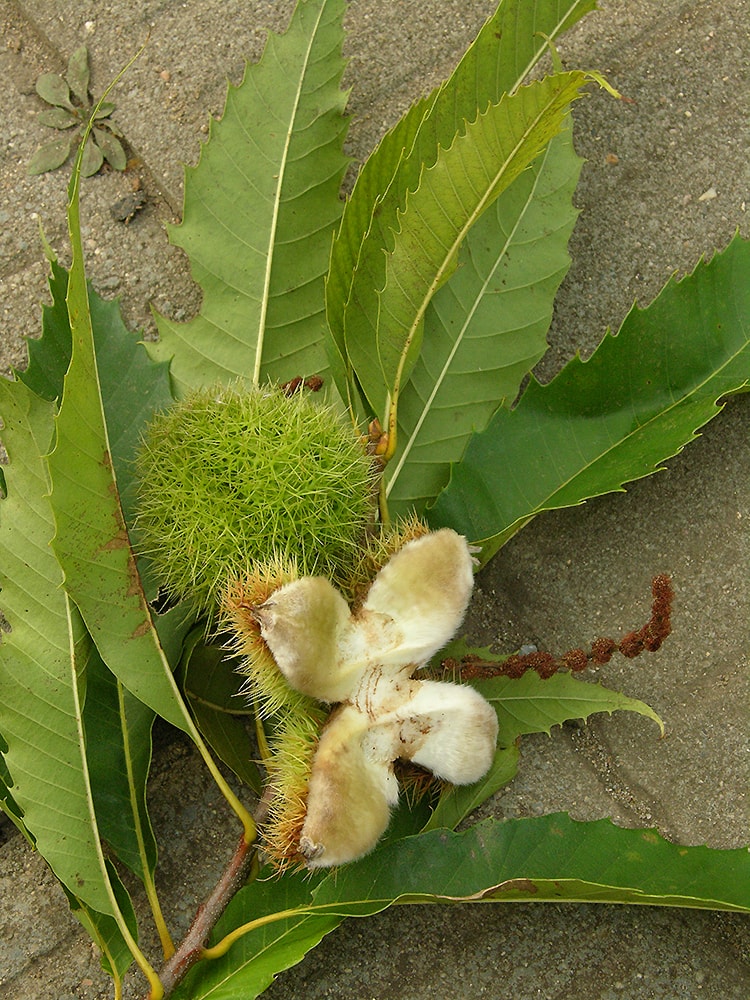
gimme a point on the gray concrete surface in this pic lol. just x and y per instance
(677, 191)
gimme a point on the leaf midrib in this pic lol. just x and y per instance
(452, 249)
(696, 391)
(277, 203)
(459, 341)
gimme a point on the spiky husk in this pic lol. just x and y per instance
(416, 782)
(231, 476)
(293, 719)
(378, 548)
(265, 685)
(296, 721)
(293, 746)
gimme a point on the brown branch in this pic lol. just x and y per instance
(649, 638)
(232, 879)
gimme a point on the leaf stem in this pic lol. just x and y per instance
(244, 816)
(135, 807)
(167, 944)
(223, 946)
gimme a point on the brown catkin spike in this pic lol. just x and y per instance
(650, 637)
(631, 645)
(546, 666)
(659, 625)
(575, 660)
(602, 650)
(514, 666)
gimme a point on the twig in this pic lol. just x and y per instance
(232, 879)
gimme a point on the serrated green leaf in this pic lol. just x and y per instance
(486, 327)
(638, 400)
(549, 858)
(259, 214)
(57, 118)
(54, 90)
(50, 156)
(482, 161)
(41, 661)
(531, 704)
(133, 386)
(49, 355)
(111, 148)
(507, 47)
(91, 540)
(77, 75)
(92, 159)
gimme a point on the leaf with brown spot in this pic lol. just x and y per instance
(45, 651)
(547, 858)
(91, 541)
(544, 858)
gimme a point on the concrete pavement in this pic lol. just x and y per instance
(666, 181)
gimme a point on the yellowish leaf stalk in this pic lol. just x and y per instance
(223, 946)
(148, 882)
(248, 823)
